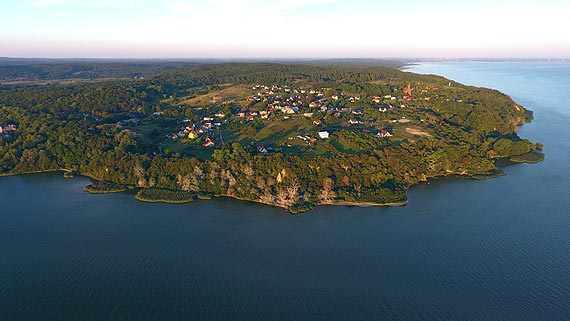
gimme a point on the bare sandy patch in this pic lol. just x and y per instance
(415, 131)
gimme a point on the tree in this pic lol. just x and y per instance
(327, 194)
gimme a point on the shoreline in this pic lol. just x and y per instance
(51, 171)
(365, 204)
(41, 172)
(463, 175)
(339, 203)
(409, 65)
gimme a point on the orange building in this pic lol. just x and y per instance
(408, 90)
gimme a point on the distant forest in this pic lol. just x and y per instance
(14, 69)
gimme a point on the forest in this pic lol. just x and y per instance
(251, 130)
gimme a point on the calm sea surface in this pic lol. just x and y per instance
(460, 250)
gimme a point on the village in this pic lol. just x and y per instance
(321, 111)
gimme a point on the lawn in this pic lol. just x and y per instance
(228, 94)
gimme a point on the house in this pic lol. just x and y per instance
(376, 99)
(313, 104)
(262, 149)
(384, 108)
(208, 142)
(192, 134)
(334, 97)
(384, 133)
(353, 121)
(317, 121)
(323, 135)
(220, 115)
(7, 128)
(308, 114)
(408, 90)
(357, 111)
(290, 110)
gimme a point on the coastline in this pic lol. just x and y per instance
(41, 172)
(366, 204)
(288, 209)
(254, 201)
(296, 208)
(339, 203)
(409, 65)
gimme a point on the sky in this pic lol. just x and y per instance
(285, 29)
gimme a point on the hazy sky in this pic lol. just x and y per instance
(294, 28)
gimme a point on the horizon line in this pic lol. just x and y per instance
(288, 58)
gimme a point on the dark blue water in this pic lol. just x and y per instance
(464, 250)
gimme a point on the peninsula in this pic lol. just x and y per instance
(287, 135)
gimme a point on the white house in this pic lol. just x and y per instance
(384, 133)
(323, 135)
